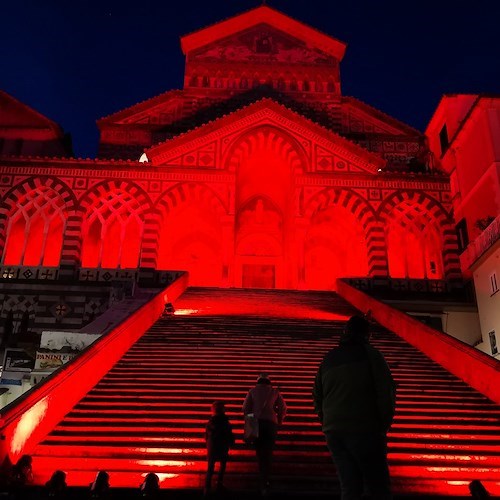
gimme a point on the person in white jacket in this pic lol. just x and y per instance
(269, 407)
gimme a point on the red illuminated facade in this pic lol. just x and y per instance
(464, 132)
(258, 173)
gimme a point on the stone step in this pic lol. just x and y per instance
(149, 412)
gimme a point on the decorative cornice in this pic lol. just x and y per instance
(360, 179)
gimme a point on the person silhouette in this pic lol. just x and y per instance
(21, 476)
(55, 487)
(269, 407)
(100, 487)
(354, 396)
(150, 488)
(219, 439)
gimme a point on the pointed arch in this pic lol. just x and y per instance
(197, 192)
(364, 214)
(34, 223)
(342, 230)
(116, 217)
(270, 139)
(420, 237)
(190, 232)
(266, 161)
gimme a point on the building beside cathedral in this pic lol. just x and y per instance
(465, 134)
(259, 173)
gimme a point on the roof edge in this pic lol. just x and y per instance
(259, 15)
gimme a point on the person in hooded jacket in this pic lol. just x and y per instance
(269, 407)
(354, 396)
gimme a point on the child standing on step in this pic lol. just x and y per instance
(219, 438)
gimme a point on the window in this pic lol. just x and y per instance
(462, 235)
(193, 81)
(35, 230)
(443, 139)
(493, 342)
(493, 283)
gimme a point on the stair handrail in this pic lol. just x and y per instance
(26, 421)
(474, 367)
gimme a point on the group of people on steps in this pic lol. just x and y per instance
(354, 397)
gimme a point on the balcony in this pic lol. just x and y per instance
(481, 244)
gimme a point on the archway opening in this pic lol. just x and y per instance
(335, 247)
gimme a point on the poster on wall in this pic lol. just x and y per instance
(17, 360)
(51, 360)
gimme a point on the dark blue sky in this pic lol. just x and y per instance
(76, 61)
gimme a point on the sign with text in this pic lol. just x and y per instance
(51, 360)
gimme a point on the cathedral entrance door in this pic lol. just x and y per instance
(258, 276)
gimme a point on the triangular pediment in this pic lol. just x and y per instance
(261, 43)
(252, 27)
(207, 146)
(15, 114)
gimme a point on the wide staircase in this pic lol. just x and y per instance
(149, 412)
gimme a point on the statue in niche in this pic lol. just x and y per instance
(259, 211)
(261, 217)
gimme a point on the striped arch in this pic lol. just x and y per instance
(39, 193)
(270, 139)
(190, 232)
(410, 205)
(122, 199)
(192, 191)
(359, 207)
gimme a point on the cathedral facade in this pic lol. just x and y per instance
(258, 173)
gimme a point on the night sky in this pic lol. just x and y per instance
(76, 61)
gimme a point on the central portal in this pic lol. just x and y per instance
(258, 276)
